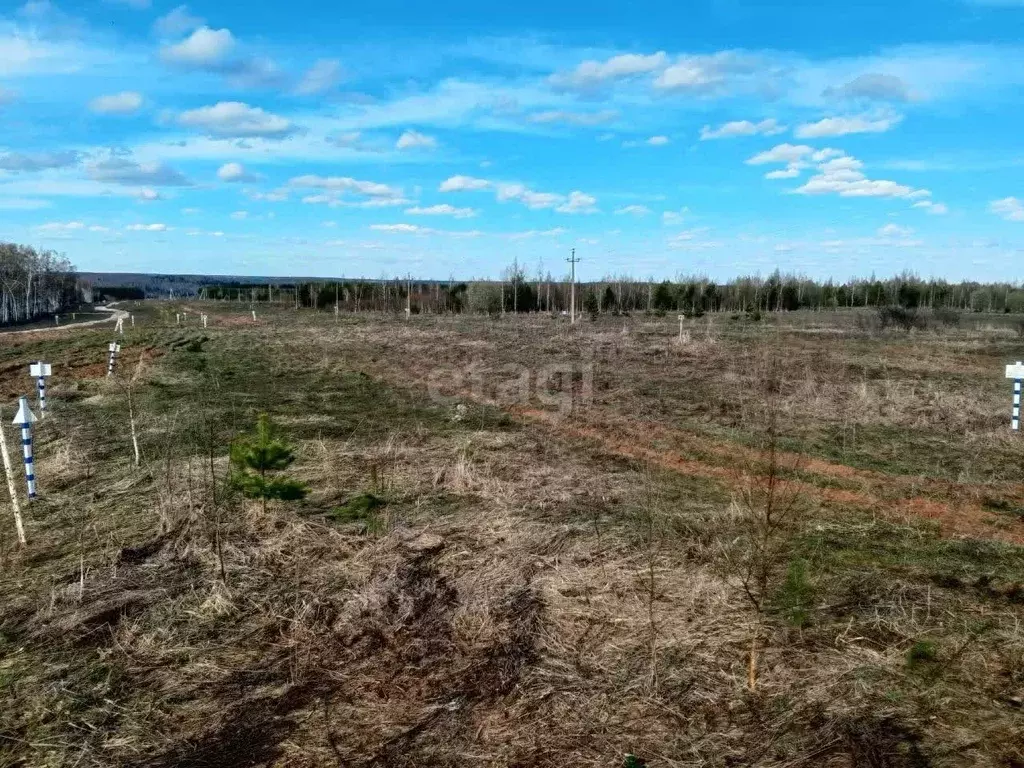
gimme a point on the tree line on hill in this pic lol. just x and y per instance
(34, 284)
(519, 292)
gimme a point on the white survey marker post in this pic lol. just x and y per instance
(41, 370)
(114, 348)
(24, 418)
(1015, 372)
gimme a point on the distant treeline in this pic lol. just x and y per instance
(34, 283)
(518, 292)
(118, 293)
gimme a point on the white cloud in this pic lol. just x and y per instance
(322, 76)
(274, 196)
(791, 171)
(345, 184)
(415, 140)
(842, 126)
(674, 217)
(61, 226)
(203, 48)
(574, 118)
(531, 233)
(633, 210)
(177, 22)
(528, 197)
(781, 153)
(843, 176)
(578, 202)
(147, 228)
(703, 73)
(121, 170)
(38, 161)
(872, 86)
(769, 127)
(1010, 208)
(235, 172)
(590, 75)
(895, 230)
(237, 120)
(658, 141)
(239, 215)
(463, 184)
(935, 209)
(442, 210)
(123, 103)
(147, 195)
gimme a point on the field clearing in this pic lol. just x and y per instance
(525, 544)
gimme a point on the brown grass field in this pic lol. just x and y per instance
(791, 542)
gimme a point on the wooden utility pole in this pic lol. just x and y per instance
(572, 287)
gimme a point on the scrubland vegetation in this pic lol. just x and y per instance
(773, 539)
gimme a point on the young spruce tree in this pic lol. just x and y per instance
(253, 456)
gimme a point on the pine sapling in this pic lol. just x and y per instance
(256, 455)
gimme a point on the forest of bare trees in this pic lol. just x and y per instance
(34, 283)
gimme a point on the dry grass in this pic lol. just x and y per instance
(527, 593)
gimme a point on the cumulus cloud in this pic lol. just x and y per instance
(578, 202)
(528, 197)
(791, 171)
(1010, 208)
(843, 176)
(871, 86)
(574, 118)
(842, 126)
(531, 233)
(781, 153)
(121, 170)
(442, 210)
(236, 119)
(39, 161)
(894, 230)
(704, 73)
(769, 127)
(322, 76)
(123, 103)
(233, 172)
(61, 226)
(463, 184)
(407, 228)
(935, 209)
(658, 141)
(591, 75)
(203, 48)
(674, 217)
(147, 228)
(345, 184)
(414, 140)
(177, 22)
(633, 210)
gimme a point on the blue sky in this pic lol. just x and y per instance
(656, 138)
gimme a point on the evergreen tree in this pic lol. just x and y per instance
(253, 456)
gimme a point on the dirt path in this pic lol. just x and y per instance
(115, 315)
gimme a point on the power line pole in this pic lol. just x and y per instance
(572, 287)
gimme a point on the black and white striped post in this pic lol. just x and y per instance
(24, 418)
(41, 370)
(1015, 372)
(114, 348)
